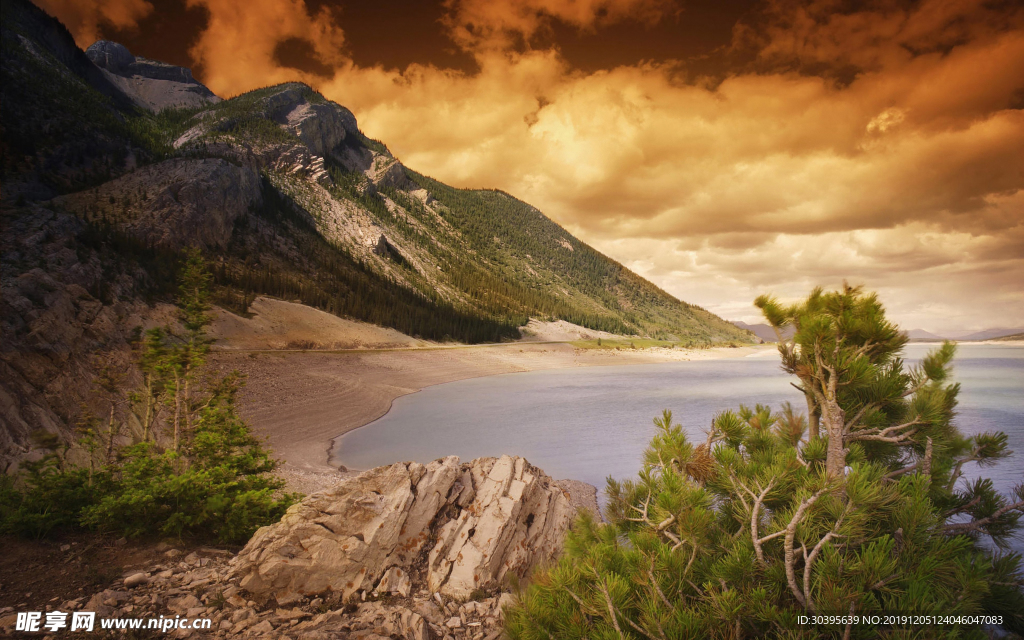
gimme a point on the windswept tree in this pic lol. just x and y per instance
(763, 521)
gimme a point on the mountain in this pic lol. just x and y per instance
(991, 334)
(964, 336)
(921, 334)
(113, 165)
(1015, 337)
(763, 331)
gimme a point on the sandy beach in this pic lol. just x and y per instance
(313, 376)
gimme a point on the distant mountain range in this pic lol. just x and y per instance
(766, 333)
(964, 336)
(762, 331)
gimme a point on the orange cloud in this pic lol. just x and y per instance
(84, 17)
(500, 24)
(237, 48)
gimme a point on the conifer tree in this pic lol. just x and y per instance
(739, 534)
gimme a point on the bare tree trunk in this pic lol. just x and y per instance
(813, 417)
(110, 435)
(835, 461)
(147, 418)
(177, 409)
(188, 408)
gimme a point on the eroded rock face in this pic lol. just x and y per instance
(466, 526)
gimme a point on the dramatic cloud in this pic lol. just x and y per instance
(84, 17)
(881, 145)
(240, 48)
(503, 24)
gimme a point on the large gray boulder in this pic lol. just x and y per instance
(459, 527)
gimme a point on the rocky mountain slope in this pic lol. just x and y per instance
(113, 164)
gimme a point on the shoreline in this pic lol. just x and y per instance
(302, 400)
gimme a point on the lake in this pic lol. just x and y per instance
(589, 423)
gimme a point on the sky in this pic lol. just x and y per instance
(721, 149)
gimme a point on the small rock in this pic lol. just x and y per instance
(263, 627)
(395, 580)
(287, 615)
(504, 601)
(183, 604)
(454, 622)
(241, 614)
(172, 553)
(136, 580)
(120, 542)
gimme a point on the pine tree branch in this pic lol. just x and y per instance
(978, 525)
(755, 517)
(883, 435)
(860, 414)
(952, 512)
(611, 608)
(657, 587)
(789, 558)
(958, 469)
(849, 625)
(809, 559)
(924, 463)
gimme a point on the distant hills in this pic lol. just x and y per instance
(964, 336)
(766, 333)
(762, 331)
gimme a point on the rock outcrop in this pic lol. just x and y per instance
(321, 126)
(457, 527)
(149, 84)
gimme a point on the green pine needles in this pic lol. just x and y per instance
(741, 534)
(172, 457)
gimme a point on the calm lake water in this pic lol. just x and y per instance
(589, 423)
